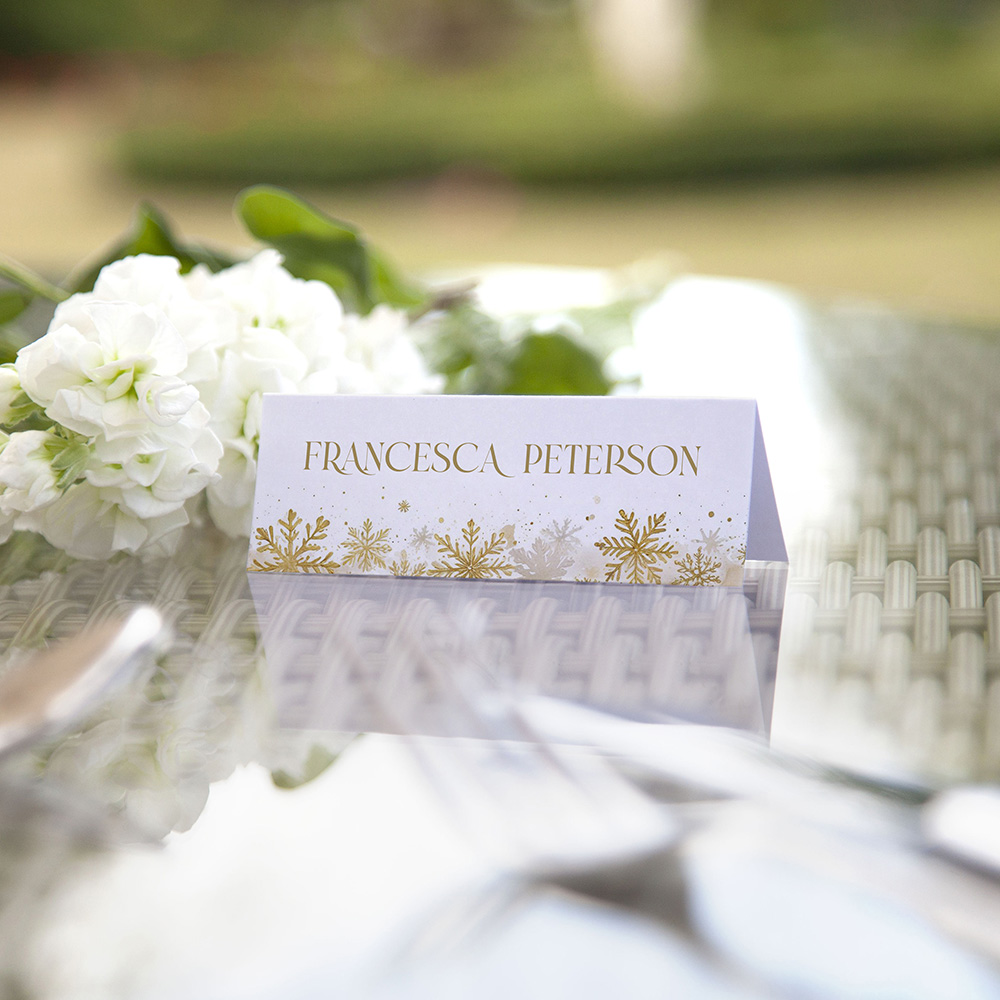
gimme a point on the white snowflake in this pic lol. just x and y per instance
(422, 538)
(545, 560)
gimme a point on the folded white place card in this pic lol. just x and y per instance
(622, 489)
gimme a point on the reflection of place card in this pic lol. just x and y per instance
(702, 655)
(629, 490)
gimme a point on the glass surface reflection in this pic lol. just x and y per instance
(371, 654)
(889, 657)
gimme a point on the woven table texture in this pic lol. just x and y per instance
(892, 626)
(361, 654)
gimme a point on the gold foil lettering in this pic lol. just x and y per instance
(417, 456)
(424, 456)
(636, 458)
(491, 459)
(377, 459)
(352, 459)
(694, 462)
(454, 456)
(331, 463)
(649, 459)
(388, 456)
(443, 456)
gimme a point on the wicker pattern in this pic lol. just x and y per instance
(891, 634)
(206, 601)
(339, 650)
(354, 653)
(893, 613)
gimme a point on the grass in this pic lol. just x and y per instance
(801, 107)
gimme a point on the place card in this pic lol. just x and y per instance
(630, 490)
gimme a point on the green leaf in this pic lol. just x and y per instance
(25, 414)
(317, 246)
(318, 760)
(21, 409)
(554, 364)
(8, 352)
(25, 556)
(465, 345)
(68, 458)
(391, 287)
(151, 233)
(12, 304)
(475, 355)
(29, 281)
(314, 245)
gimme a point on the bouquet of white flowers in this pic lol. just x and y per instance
(151, 387)
(139, 407)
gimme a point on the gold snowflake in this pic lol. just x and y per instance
(699, 570)
(741, 554)
(403, 566)
(366, 548)
(473, 559)
(291, 555)
(636, 553)
(404, 505)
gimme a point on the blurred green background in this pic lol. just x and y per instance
(849, 147)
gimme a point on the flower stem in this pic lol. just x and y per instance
(28, 279)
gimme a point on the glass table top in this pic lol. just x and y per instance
(189, 834)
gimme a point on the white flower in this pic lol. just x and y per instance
(199, 314)
(293, 338)
(236, 407)
(11, 395)
(27, 478)
(134, 490)
(263, 294)
(230, 497)
(153, 477)
(383, 351)
(113, 373)
(162, 375)
(92, 523)
(268, 364)
(289, 336)
(145, 280)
